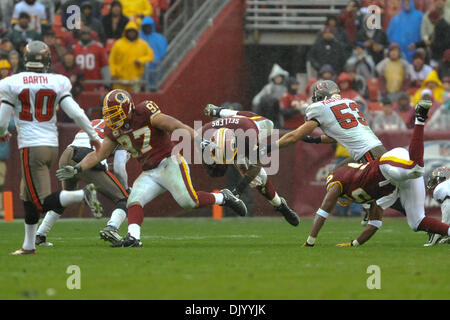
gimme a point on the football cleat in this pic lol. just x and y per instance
(212, 111)
(42, 241)
(129, 241)
(233, 202)
(90, 198)
(422, 108)
(433, 240)
(109, 233)
(444, 240)
(22, 251)
(306, 245)
(288, 213)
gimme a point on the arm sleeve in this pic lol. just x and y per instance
(73, 110)
(120, 167)
(5, 114)
(313, 113)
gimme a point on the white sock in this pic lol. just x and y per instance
(418, 122)
(276, 201)
(135, 230)
(70, 197)
(227, 113)
(30, 237)
(448, 232)
(219, 198)
(117, 217)
(47, 223)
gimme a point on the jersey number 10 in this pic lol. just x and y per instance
(44, 103)
(346, 119)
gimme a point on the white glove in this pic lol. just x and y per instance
(67, 172)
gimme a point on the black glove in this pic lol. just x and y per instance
(310, 139)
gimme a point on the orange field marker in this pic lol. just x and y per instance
(217, 211)
(8, 207)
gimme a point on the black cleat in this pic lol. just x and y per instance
(129, 241)
(288, 213)
(433, 239)
(109, 233)
(42, 241)
(212, 111)
(422, 108)
(233, 202)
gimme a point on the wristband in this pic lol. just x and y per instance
(78, 169)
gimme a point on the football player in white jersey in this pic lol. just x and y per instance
(33, 96)
(440, 182)
(112, 185)
(341, 120)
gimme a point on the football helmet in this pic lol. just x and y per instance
(37, 56)
(324, 89)
(438, 176)
(117, 105)
(226, 149)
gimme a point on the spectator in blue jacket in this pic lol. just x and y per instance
(405, 27)
(4, 155)
(156, 41)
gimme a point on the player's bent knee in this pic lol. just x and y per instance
(414, 225)
(122, 204)
(53, 203)
(187, 204)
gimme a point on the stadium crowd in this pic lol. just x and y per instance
(385, 70)
(116, 40)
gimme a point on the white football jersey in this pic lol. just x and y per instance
(36, 12)
(342, 120)
(442, 191)
(35, 97)
(82, 139)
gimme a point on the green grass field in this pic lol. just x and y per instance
(190, 258)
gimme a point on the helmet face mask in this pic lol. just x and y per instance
(117, 105)
(438, 176)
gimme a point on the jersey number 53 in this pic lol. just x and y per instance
(346, 118)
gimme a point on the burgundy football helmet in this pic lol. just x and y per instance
(117, 105)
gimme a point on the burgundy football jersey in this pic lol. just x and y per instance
(147, 144)
(360, 182)
(243, 120)
(91, 60)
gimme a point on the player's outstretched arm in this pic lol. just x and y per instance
(328, 204)
(298, 134)
(5, 114)
(73, 110)
(106, 148)
(319, 139)
(375, 216)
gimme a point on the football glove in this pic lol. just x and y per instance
(310, 139)
(67, 172)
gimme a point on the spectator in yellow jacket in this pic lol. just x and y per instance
(433, 83)
(136, 8)
(128, 57)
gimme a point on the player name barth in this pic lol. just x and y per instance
(235, 310)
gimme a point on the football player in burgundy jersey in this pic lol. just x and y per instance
(223, 132)
(397, 174)
(143, 130)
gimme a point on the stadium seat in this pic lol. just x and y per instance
(373, 87)
(374, 106)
